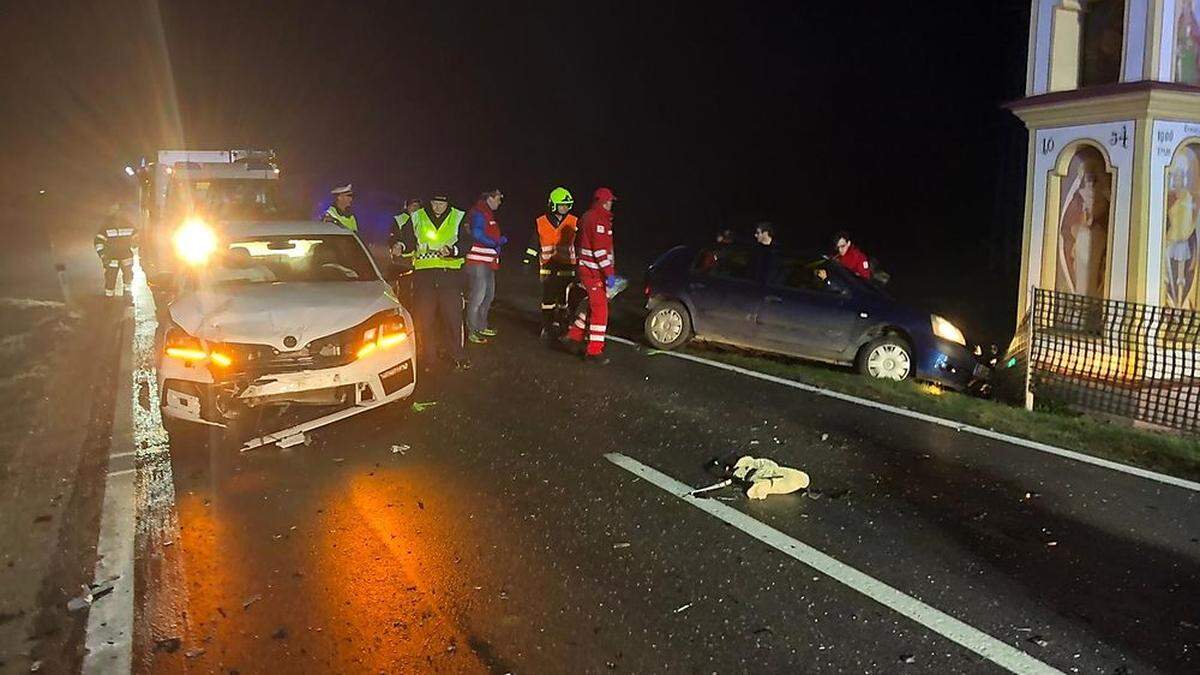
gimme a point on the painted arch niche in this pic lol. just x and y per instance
(1085, 201)
(1182, 221)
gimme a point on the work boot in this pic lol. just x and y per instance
(595, 360)
(570, 346)
(489, 332)
(477, 338)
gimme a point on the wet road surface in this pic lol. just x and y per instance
(496, 537)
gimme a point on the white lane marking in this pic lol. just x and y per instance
(1004, 655)
(109, 636)
(119, 455)
(957, 426)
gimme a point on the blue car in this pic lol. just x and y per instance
(800, 306)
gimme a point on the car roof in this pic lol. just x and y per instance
(282, 228)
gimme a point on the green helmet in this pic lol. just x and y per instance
(560, 196)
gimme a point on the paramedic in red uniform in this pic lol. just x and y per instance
(851, 256)
(594, 244)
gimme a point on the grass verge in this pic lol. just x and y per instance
(1169, 453)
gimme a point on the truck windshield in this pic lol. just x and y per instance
(307, 258)
(224, 199)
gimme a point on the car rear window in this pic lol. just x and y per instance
(303, 258)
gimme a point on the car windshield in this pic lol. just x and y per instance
(225, 199)
(304, 258)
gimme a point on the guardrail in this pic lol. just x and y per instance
(1121, 358)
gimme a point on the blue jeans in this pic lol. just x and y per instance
(481, 282)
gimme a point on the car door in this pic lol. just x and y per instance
(807, 311)
(726, 291)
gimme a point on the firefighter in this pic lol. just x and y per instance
(402, 265)
(594, 248)
(339, 212)
(431, 238)
(116, 242)
(553, 246)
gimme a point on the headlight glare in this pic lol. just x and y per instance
(946, 330)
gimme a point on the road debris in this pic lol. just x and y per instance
(35, 666)
(824, 437)
(623, 544)
(280, 633)
(339, 460)
(400, 449)
(1039, 641)
(683, 608)
(193, 653)
(908, 658)
(90, 594)
(294, 439)
(710, 488)
(422, 406)
(251, 600)
(767, 477)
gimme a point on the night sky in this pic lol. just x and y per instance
(881, 118)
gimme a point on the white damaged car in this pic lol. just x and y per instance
(278, 329)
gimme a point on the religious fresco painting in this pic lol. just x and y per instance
(1083, 224)
(1182, 218)
(1187, 41)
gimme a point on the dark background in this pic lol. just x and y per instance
(881, 118)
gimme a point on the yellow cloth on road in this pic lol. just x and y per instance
(768, 478)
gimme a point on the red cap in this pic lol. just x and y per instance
(603, 195)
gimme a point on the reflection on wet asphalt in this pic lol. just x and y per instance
(501, 540)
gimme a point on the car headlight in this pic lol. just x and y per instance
(385, 330)
(946, 330)
(179, 345)
(194, 241)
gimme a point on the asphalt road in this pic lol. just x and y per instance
(498, 538)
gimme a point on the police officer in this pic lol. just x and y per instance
(432, 238)
(339, 212)
(553, 246)
(116, 243)
(402, 265)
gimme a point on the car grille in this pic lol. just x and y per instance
(266, 359)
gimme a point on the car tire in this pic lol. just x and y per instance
(668, 325)
(886, 358)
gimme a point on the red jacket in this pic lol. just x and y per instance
(594, 242)
(856, 261)
(486, 238)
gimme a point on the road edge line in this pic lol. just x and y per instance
(109, 636)
(1001, 653)
(941, 421)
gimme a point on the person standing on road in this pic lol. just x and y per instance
(402, 265)
(116, 243)
(553, 246)
(764, 253)
(482, 262)
(850, 256)
(339, 212)
(432, 240)
(594, 246)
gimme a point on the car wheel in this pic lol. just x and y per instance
(668, 325)
(886, 358)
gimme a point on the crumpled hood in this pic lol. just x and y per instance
(269, 313)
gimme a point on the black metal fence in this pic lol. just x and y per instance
(1121, 358)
